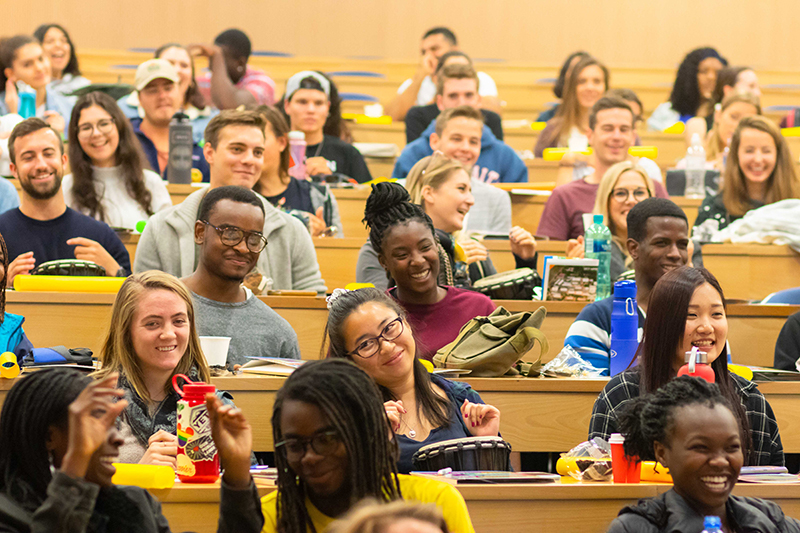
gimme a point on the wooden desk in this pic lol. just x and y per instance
(752, 271)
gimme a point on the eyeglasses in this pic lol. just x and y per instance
(622, 195)
(231, 236)
(370, 347)
(322, 444)
(103, 126)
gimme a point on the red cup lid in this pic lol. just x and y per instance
(199, 389)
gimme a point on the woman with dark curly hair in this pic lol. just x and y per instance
(692, 90)
(58, 47)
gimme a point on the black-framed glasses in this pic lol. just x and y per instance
(231, 236)
(370, 347)
(324, 443)
(622, 195)
(104, 126)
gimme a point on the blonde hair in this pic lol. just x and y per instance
(715, 144)
(782, 183)
(432, 171)
(370, 516)
(118, 354)
(604, 190)
(569, 112)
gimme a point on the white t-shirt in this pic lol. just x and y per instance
(427, 91)
(121, 210)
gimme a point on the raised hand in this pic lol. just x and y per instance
(481, 420)
(522, 243)
(233, 437)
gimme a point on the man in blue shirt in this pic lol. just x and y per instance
(43, 228)
(658, 241)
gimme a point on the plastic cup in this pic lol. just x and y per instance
(215, 349)
(625, 471)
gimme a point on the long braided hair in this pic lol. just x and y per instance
(353, 406)
(34, 404)
(3, 281)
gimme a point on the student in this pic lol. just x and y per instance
(406, 243)
(108, 180)
(584, 87)
(632, 99)
(732, 80)
(230, 81)
(558, 86)
(228, 231)
(65, 72)
(9, 197)
(370, 329)
(234, 149)
(193, 104)
(456, 94)
(787, 347)
(307, 106)
(25, 67)
(315, 202)
(760, 171)
(421, 90)
(693, 429)
(12, 336)
(158, 90)
(692, 90)
(58, 440)
(334, 446)
(611, 133)
(43, 228)
(396, 517)
(623, 186)
(658, 241)
(687, 309)
(498, 162)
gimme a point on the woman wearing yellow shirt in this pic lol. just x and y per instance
(334, 446)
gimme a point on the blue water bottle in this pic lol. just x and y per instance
(27, 104)
(712, 524)
(597, 245)
(624, 327)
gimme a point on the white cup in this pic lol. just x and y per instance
(215, 349)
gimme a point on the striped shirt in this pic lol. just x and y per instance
(256, 81)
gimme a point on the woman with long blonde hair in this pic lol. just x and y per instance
(733, 108)
(760, 170)
(151, 338)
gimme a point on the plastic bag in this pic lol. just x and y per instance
(569, 364)
(588, 461)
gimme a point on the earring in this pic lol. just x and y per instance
(241, 68)
(51, 460)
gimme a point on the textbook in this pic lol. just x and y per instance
(569, 280)
(271, 366)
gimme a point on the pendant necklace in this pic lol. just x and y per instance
(411, 432)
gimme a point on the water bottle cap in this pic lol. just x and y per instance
(616, 438)
(192, 388)
(180, 116)
(695, 138)
(625, 289)
(597, 219)
(712, 522)
(702, 357)
(297, 135)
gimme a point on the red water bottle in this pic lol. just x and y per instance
(697, 366)
(198, 461)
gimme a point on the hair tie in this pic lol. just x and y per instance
(334, 295)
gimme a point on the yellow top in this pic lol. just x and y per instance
(413, 488)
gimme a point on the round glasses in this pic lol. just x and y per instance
(622, 195)
(231, 236)
(370, 347)
(104, 126)
(322, 443)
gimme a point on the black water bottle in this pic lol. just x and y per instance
(179, 168)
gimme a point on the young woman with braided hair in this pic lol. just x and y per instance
(334, 446)
(408, 249)
(424, 408)
(691, 428)
(686, 310)
(12, 336)
(58, 440)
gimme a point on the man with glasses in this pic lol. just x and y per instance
(159, 95)
(229, 233)
(234, 150)
(611, 124)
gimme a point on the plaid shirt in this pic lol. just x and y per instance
(624, 387)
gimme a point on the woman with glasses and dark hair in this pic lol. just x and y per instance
(109, 180)
(371, 329)
(335, 446)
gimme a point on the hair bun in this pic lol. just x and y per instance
(385, 195)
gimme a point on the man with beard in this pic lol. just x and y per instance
(43, 228)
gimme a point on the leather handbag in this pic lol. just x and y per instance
(492, 346)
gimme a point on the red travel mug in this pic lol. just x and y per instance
(624, 470)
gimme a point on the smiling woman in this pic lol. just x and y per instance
(58, 47)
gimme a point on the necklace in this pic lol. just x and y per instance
(319, 148)
(411, 432)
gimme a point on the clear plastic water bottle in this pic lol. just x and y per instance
(597, 245)
(695, 169)
(712, 524)
(297, 149)
(624, 327)
(181, 144)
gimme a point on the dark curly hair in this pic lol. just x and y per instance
(685, 97)
(72, 66)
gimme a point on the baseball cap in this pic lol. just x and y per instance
(153, 69)
(294, 82)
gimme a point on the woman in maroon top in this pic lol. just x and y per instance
(405, 240)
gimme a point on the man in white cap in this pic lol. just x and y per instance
(307, 105)
(159, 96)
